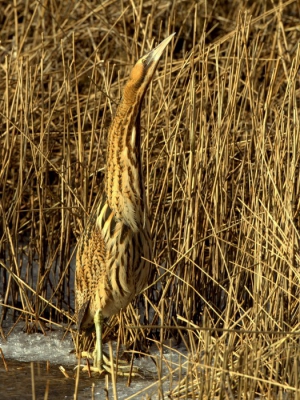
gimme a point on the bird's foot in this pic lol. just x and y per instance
(108, 367)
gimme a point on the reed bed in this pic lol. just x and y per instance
(221, 157)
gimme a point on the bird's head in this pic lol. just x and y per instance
(144, 69)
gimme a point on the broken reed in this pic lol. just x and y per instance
(221, 165)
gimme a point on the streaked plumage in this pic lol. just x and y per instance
(111, 264)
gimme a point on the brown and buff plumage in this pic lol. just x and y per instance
(111, 263)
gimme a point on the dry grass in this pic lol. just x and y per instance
(221, 156)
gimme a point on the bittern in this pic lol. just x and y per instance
(112, 264)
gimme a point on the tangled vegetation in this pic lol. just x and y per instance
(221, 157)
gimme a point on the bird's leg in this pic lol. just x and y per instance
(102, 364)
(98, 352)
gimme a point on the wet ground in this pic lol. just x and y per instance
(32, 369)
(16, 383)
(49, 382)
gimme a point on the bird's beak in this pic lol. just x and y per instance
(155, 54)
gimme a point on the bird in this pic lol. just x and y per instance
(113, 260)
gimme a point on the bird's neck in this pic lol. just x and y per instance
(124, 183)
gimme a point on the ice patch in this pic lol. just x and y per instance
(37, 347)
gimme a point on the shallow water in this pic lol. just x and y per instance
(47, 353)
(16, 383)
